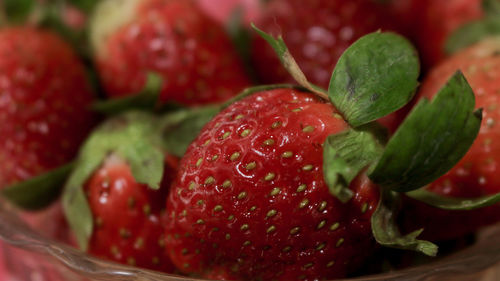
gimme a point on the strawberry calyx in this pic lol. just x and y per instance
(475, 31)
(431, 140)
(17, 11)
(491, 7)
(38, 192)
(132, 137)
(452, 203)
(146, 99)
(346, 155)
(386, 231)
(107, 17)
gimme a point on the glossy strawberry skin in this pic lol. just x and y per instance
(250, 197)
(477, 173)
(222, 11)
(128, 216)
(437, 20)
(44, 101)
(317, 34)
(174, 39)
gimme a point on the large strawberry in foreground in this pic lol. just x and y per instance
(477, 173)
(317, 34)
(128, 215)
(252, 186)
(44, 103)
(283, 185)
(172, 38)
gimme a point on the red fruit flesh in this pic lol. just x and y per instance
(128, 222)
(222, 11)
(437, 21)
(174, 39)
(317, 34)
(44, 100)
(250, 198)
(477, 173)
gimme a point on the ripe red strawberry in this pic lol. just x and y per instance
(477, 173)
(172, 38)
(222, 10)
(317, 34)
(437, 20)
(128, 215)
(44, 100)
(250, 201)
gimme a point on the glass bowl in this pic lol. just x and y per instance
(29, 255)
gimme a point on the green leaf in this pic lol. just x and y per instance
(386, 231)
(133, 137)
(451, 203)
(38, 192)
(86, 5)
(289, 62)
(17, 11)
(146, 99)
(431, 140)
(345, 155)
(180, 128)
(374, 77)
(491, 7)
(472, 33)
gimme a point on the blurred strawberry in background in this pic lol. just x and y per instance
(316, 34)
(176, 40)
(223, 10)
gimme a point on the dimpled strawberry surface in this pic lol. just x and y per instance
(250, 199)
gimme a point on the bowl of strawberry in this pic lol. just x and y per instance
(142, 144)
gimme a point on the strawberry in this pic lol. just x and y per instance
(128, 215)
(317, 34)
(476, 174)
(436, 20)
(44, 103)
(236, 203)
(172, 38)
(222, 10)
(282, 185)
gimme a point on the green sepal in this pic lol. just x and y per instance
(85, 5)
(472, 33)
(375, 76)
(431, 140)
(451, 203)
(134, 138)
(18, 11)
(289, 62)
(146, 99)
(38, 192)
(491, 7)
(345, 155)
(386, 231)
